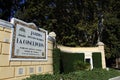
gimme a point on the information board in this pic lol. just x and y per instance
(29, 44)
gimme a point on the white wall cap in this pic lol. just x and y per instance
(15, 19)
(52, 34)
(6, 24)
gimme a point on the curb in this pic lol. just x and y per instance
(115, 78)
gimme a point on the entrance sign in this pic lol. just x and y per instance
(29, 44)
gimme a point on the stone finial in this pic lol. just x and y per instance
(52, 34)
(100, 44)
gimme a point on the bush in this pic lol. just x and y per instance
(80, 65)
(96, 74)
(97, 62)
(44, 77)
(64, 62)
(68, 60)
(56, 60)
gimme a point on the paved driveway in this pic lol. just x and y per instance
(115, 78)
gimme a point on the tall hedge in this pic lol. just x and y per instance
(56, 60)
(68, 60)
(97, 60)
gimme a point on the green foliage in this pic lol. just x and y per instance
(56, 60)
(96, 74)
(44, 77)
(112, 32)
(97, 62)
(5, 9)
(68, 60)
(76, 21)
(80, 65)
(63, 17)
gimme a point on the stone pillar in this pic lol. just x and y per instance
(101, 49)
(53, 35)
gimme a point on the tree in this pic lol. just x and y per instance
(76, 21)
(112, 30)
(64, 18)
(9, 7)
(5, 7)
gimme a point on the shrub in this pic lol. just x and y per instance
(56, 60)
(68, 60)
(64, 62)
(44, 77)
(97, 62)
(80, 65)
(96, 74)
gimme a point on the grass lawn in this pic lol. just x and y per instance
(97, 74)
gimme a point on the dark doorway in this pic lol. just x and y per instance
(87, 60)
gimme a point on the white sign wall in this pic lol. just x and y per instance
(29, 44)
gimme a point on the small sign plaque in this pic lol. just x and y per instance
(20, 70)
(39, 69)
(31, 70)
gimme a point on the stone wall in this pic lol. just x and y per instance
(17, 70)
(88, 52)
